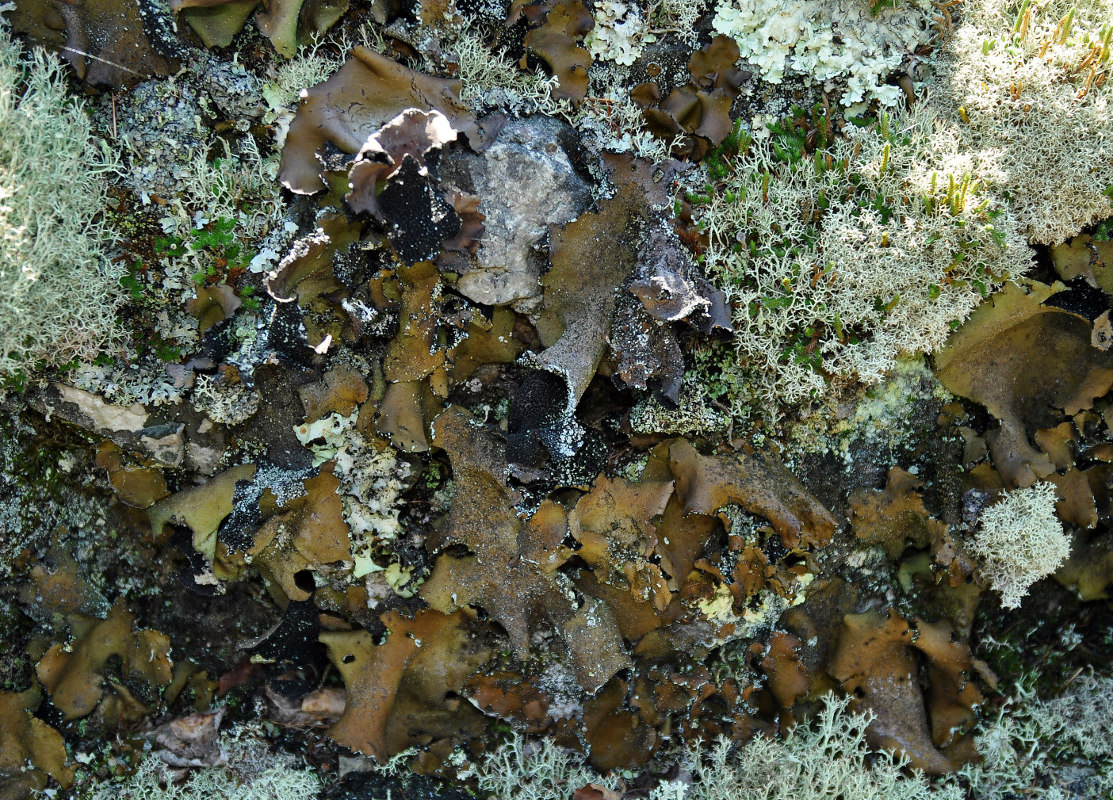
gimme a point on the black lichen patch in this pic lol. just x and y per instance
(294, 639)
(419, 217)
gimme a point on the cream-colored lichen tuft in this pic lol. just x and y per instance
(841, 42)
(58, 288)
(1020, 540)
(824, 757)
(1033, 83)
(251, 771)
(619, 34)
(489, 79)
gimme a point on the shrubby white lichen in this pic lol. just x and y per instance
(1052, 749)
(58, 287)
(608, 121)
(1032, 83)
(1019, 541)
(821, 758)
(520, 769)
(838, 263)
(490, 79)
(251, 771)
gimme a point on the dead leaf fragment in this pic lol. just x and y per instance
(787, 679)
(26, 740)
(556, 43)
(138, 487)
(421, 658)
(362, 96)
(758, 483)
(893, 517)
(103, 40)
(518, 593)
(1028, 364)
(201, 508)
(341, 391)
(874, 658)
(73, 674)
(213, 304)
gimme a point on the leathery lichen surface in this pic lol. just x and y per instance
(563, 400)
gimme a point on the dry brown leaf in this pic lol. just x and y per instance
(104, 40)
(138, 487)
(342, 389)
(1028, 364)
(26, 741)
(875, 660)
(402, 418)
(388, 684)
(758, 483)
(593, 791)
(213, 304)
(781, 664)
(361, 97)
(893, 517)
(201, 508)
(556, 43)
(190, 741)
(413, 353)
(952, 696)
(72, 673)
(516, 592)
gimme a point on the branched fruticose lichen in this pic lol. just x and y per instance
(1020, 541)
(1031, 84)
(58, 288)
(840, 260)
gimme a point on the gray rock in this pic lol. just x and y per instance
(526, 183)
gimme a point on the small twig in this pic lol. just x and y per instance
(102, 60)
(114, 136)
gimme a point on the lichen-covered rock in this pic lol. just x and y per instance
(526, 183)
